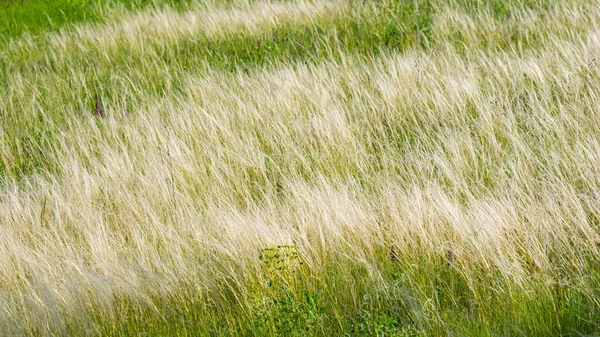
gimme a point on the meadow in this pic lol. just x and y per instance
(402, 168)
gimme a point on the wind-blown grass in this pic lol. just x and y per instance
(396, 178)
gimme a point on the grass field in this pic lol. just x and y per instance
(402, 168)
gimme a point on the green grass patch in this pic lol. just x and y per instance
(42, 16)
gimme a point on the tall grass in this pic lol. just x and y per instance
(304, 168)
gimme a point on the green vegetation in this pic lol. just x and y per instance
(299, 168)
(38, 17)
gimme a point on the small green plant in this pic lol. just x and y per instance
(278, 304)
(279, 261)
(383, 325)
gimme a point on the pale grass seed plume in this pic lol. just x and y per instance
(467, 160)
